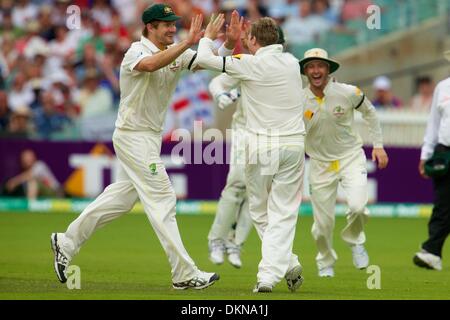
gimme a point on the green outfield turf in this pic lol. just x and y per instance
(124, 260)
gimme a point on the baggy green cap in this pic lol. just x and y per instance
(159, 11)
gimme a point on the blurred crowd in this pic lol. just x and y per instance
(63, 83)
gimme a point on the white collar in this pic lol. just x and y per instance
(269, 49)
(311, 94)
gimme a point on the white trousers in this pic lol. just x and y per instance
(232, 208)
(142, 176)
(274, 191)
(324, 177)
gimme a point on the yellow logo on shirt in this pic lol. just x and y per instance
(174, 66)
(334, 166)
(308, 114)
(237, 56)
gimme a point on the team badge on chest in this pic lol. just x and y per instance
(338, 111)
(174, 66)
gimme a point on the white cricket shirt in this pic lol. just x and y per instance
(330, 132)
(145, 96)
(438, 126)
(270, 87)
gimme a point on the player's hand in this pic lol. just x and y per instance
(422, 169)
(380, 156)
(214, 26)
(195, 31)
(233, 30)
(224, 100)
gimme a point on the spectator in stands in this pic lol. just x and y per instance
(21, 94)
(20, 125)
(35, 179)
(59, 14)
(4, 70)
(5, 112)
(254, 10)
(421, 101)
(102, 13)
(34, 71)
(7, 25)
(186, 10)
(23, 12)
(47, 119)
(384, 98)
(95, 40)
(305, 28)
(93, 99)
(9, 53)
(47, 31)
(68, 105)
(62, 47)
(90, 61)
(325, 10)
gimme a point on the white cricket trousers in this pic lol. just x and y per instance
(274, 191)
(142, 175)
(324, 177)
(233, 203)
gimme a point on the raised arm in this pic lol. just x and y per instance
(164, 58)
(235, 66)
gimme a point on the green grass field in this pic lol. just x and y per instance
(124, 260)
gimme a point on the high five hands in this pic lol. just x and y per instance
(195, 31)
(233, 30)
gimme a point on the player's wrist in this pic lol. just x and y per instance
(229, 44)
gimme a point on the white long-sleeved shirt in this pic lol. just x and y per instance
(270, 82)
(145, 96)
(221, 84)
(330, 133)
(438, 126)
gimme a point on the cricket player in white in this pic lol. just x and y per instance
(337, 157)
(232, 208)
(232, 223)
(148, 77)
(272, 102)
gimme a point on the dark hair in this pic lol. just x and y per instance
(265, 30)
(423, 80)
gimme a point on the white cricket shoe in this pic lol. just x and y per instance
(262, 287)
(294, 278)
(234, 256)
(327, 272)
(61, 261)
(427, 260)
(201, 281)
(360, 256)
(216, 251)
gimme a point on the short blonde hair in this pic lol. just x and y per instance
(265, 30)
